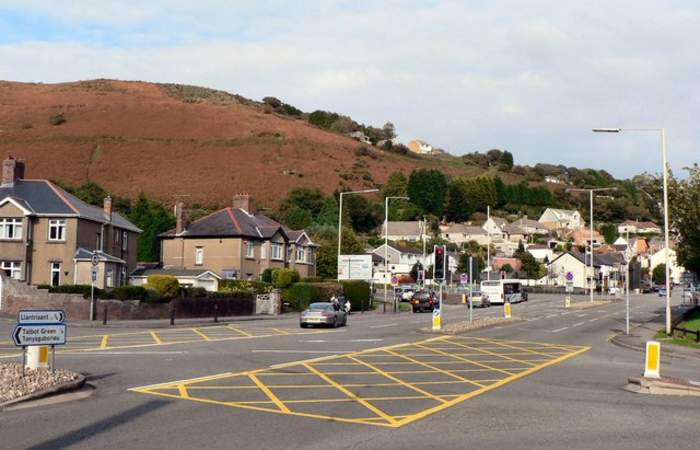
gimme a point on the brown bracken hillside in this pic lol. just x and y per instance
(168, 140)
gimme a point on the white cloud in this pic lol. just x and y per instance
(533, 79)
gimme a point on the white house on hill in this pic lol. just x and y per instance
(554, 219)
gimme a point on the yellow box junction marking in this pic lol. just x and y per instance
(387, 386)
(164, 336)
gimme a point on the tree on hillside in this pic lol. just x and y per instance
(389, 131)
(396, 185)
(310, 199)
(457, 208)
(609, 232)
(363, 215)
(297, 218)
(427, 189)
(329, 212)
(153, 218)
(684, 202)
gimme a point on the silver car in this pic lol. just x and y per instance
(323, 313)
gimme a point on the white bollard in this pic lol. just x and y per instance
(37, 357)
(652, 362)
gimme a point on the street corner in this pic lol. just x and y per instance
(388, 387)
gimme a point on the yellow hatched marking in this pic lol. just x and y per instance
(269, 393)
(156, 338)
(467, 360)
(280, 331)
(437, 369)
(238, 330)
(105, 341)
(486, 352)
(182, 390)
(533, 352)
(204, 336)
(360, 400)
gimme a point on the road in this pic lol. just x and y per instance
(549, 379)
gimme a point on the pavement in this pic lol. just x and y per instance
(552, 379)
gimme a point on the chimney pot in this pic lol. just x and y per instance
(12, 170)
(107, 206)
(245, 202)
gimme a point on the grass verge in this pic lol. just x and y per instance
(691, 323)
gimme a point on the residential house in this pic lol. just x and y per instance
(412, 231)
(237, 243)
(360, 136)
(48, 236)
(606, 269)
(495, 227)
(531, 227)
(400, 260)
(420, 147)
(554, 219)
(583, 237)
(459, 234)
(540, 252)
(659, 257)
(203, 278)
(514, 233)
(552, 179)
(637, 227)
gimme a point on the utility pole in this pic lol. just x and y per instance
(488, 246)
(386, 246)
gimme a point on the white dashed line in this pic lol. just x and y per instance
(560, 329)
(385, 326)
(578, 324)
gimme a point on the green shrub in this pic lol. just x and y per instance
(127, 293)
(244, 287)
(329, 289)
(58, 119)
(83, 289)
(300, 295)
(194, 292)
(167, 286)
(283, 278)
(312, 280)
(358, 293)
(266, 276)
(153, 296)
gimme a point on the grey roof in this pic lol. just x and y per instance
(172, 271)
(401, 249)
(529, 223)
(43, 198)
(412, 228)
(86, 255)
(602, 259)
(513, 229)
(466, 229)
(499, 221)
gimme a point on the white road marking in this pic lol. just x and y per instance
(314, 340)
(592, 320)
(578, 324)
(581, 315)
(385, 326)
(108, 352)
(559, 329)
(366, 340)
(300, 351)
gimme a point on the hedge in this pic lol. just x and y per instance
(83, 289)
(266, 276)
(300, 295)
(358, 293)
(167, 286)
(245, 287)
(283, 278)
(128, 293)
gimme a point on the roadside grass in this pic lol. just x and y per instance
(404, 307)
(692, 324)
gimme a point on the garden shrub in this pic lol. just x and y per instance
(167, 286)
(266, 276)
(127, 293)
(300, 295)
(194, 292)
(83, 289)
(244, 287)
(358, 293)
(283, 278)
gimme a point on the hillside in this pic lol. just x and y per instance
(168, 140)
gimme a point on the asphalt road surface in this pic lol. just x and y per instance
(548, 379)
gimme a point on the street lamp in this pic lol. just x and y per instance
(591, 191)
(386, 244)
(340, 217)
(662, 131)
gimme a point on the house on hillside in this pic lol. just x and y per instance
(637, 227)
(606, 269)
(48, 236)
(420, 147)
(531, 227)
(554, 219)
(582, 236)
(459, 234)
(360, 136)
(412, 231)
(540, 252)
(495, 227)
(236, 243)
(400, 260)
(659, 257)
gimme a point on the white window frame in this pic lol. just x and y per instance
(110, 278)
(263, 250)
(13, 267)
(125, 241)
(60, 226)
(55, 267)
(249, 249)
(117, 240)
(14, 224)
(301, 255)
(198, 256)
(289, 253)
(277, 252)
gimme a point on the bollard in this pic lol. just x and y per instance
(652, 361)
(216, 312)
(567, 301)
(506, 310)
(37, 357)
(104, 316)
(437, 320)
(464, 298)
(172, 316)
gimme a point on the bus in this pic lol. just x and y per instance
(500, 291)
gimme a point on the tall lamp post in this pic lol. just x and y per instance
(340, 218)
(664, 161)
(591, 191)
(386, 244)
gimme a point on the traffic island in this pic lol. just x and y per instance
(476, 324)
(18, 386)
(663, 386)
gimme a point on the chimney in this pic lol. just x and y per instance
(107, 206)
(12, 170)
(179, 218)
(245, 202)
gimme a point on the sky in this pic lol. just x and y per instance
(530, 77)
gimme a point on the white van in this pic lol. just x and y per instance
(500, 291)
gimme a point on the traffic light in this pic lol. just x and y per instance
(439, 265)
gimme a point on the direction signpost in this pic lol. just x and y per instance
(38, 329)
(93, 272)
(569, 288)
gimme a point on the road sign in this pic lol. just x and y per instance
(41, 317)
(355, 267)
(395, 280)
(569, 276)
(569, 286)
(464, 278)
(52, 334)
(95, 259)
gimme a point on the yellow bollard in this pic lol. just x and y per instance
(567, 301)
(464, 298)
(437, 320)
(506, 310)
(37, 357)
(652, 363)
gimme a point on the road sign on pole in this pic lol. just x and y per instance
(95, 259)
(39, 334)
(464, 278)
(41, 316)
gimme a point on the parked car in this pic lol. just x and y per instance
(323, 313)
(424, 301)
(662, 292)
(480, 300)
(405, 293)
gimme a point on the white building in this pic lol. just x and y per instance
(458, 233)
(400, 261)
(635, 226)
(495, 227)
(660, 258)
(412, 231)
(204, 278)
(540, 252)
(554, 219)
(420, 147)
